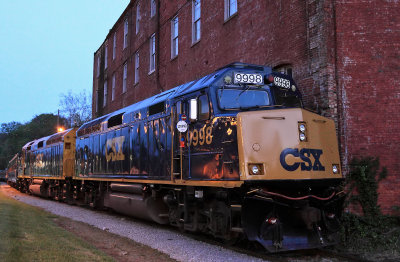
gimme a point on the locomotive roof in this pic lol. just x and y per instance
(47, 140)
(183, 89)
(28, 144)
(57, 137)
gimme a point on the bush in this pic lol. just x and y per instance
(373, 231)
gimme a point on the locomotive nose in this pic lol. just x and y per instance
(287, 144)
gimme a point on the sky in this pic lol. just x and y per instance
(46, 49)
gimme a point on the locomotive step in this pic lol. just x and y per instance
(236, 207)
(237, 229)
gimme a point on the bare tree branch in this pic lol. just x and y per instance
(76, 108)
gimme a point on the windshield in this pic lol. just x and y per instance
(240, 99)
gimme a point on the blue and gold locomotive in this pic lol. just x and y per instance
(232, 154)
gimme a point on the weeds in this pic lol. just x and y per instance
(373, 231)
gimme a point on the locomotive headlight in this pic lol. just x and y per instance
(302, 128)
(335, 169)
(302, 131)
(256, 169)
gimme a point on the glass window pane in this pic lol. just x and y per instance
(197, 10)
(204, 107)
(232, 7)
(198, 30)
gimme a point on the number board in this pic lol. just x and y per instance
(281, 82)
(242, 78)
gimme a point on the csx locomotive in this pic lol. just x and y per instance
(232, 154)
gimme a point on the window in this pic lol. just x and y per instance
(284, 69)
(178, 109)
(114, 45)
(204, 108)
(124, 78)
(196, 13)
(105, 55)
(157, 108)
(98, 64)
(125, 33)
(105, 94)
(174, 36)
(152, 53)
(137, 18)
(230, 8)
(97, 100)
(115, 120)
(152, 8)
(242, 99)
(113, 88)
(137, 67)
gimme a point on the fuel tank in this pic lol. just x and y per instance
(287, 144)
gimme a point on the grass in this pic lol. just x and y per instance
(30, 234)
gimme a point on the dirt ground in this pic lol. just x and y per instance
(120, 248)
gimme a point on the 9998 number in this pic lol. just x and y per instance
(200, 136)
(240, 78)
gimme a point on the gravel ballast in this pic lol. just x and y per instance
(174, 244)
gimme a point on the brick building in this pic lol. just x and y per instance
(344, 55)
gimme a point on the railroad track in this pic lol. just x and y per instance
(247, 248)
(255, 250)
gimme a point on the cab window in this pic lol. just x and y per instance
(178, 108)
(204, 107)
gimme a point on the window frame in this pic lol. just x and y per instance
(114, 45)
(202, 116)
(196, 22)
(137, 18)
(152, 60)
(97, 99)
(98, 64)
(286, 69)
(126, 29)
(105, 55)
(137, 65)
(153, 8)
(174, 37)
(124, 77)
(105, 93)
(228, 5)
(113, 87)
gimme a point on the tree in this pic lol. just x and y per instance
(8, 128)
(13, 135)
(41, 126)
(76, 108)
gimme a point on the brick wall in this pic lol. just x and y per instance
(344, 56)
(368, 41)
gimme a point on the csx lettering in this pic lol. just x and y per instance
(304, 155)
(115, 144)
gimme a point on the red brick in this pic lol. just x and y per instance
(344, 55)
